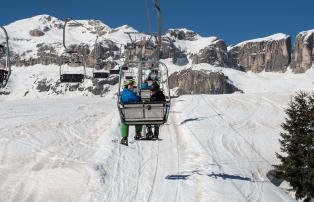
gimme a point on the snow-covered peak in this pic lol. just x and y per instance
(306, 34)
(189, 41)
(274, 37)
(40, 22)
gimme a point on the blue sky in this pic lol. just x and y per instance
(231, 20)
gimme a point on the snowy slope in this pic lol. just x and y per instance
(214, 148)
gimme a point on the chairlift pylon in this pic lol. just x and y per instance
(5, 71)
(71, 59)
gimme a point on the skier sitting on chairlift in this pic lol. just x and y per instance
(152, 77)
(129, 96)
(157, 96)
(147, 84)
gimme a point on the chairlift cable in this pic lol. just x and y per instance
(148, 17)
(159, 28)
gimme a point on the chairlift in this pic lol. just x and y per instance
(5, 70)
(145, 112)
(98, 72)
(73, 66)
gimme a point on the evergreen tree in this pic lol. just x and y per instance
(297, 146)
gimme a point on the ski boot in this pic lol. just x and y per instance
(137, 136)
(124, 141)
(149, 135)
(156, 133)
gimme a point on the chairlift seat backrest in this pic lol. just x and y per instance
(100, 75)
(72, 78)
(144, 113)
(125, 68)
(114, 71)
(145, 94)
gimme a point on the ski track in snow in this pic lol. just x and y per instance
(62, 150)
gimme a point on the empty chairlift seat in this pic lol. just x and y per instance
(73, 68)
(114, 71)
(72, 78)
(100, 75)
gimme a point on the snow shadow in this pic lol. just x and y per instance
(189, 120)
(197, 119)
(227, 176)
(177, 177)
(224, 176)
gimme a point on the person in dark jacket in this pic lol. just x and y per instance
(157, 96)
(129, 96)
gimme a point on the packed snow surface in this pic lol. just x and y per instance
(213, 148)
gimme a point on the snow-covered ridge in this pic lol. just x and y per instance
(31, 37)
(306, 34)
(274, 37)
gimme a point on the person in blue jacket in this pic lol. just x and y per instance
(129, 96)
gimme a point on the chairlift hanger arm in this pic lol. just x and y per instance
(157, 6)
(64, 28)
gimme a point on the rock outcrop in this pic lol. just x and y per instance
(302, 56)
(147, 48)
(200, 82)
(182, 34)
(271, 53)
(36, 33)
(215, 54)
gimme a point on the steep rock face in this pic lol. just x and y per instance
(200, 82)
(215, 54)
(302, 56)
(271, 53)
(147, 48)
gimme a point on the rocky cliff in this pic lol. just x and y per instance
(38, 40)
(271, 53)
(200, 82)
(302, 56)
(215, 54)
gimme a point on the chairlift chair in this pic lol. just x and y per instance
(5, 71)
(71, 61)
(97, 72)
(145, 112)
(100, 75)
(72, 68)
